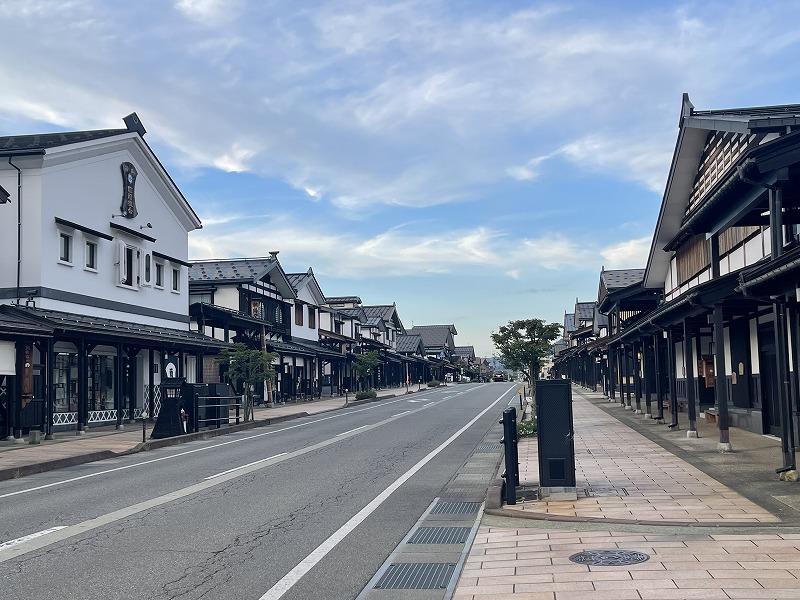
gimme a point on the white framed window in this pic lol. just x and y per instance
(159, 274)
(64, 248)
(176, 279)
(90, 256)
(127, 267)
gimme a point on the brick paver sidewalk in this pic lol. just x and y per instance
(645, 498)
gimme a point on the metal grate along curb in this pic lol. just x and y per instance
(416, 576)
(456, 508)
(440, 535)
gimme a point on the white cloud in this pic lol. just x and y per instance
(630, 254)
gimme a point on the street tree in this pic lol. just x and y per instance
(524, 343)
(249, 367)
(364, 363)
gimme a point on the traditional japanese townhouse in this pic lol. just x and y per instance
(723, 254)
(337, 333)
(465, 357)
(622, 300)
(411, 347)
(93, 280)
(308, 372)
(439, 342)
(395, 368)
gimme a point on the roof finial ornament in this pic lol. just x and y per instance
(273, 254)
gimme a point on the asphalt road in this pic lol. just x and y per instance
(309, 508)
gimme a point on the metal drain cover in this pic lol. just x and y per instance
(609, 558)
(456, 508)
(416, 576)
(440, 535)
(488, 447)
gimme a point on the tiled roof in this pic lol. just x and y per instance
(344, 300)
(584, 310)
(569, 322)
(44, 141)
(621, 278)
(241, 269)
(433, 336)
(408, 343)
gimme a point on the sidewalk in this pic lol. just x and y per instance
(69, 449)
(710, 525)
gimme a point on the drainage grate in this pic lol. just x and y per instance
(605, 491)
(416, 576)
(487, 447)
(609, 558)
(456, 508)
(440, 535)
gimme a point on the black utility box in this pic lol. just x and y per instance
(555, 433)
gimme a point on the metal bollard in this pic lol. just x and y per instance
(511, 454)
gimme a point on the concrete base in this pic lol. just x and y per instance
(724, 447)
(648, 416)
(35, 437)
(628, 407)
(120, 427)
(80, 432)
(638, 411)
(789, 476)
(553, 494)
(16, 440)
(50, 436)
(691, 433)
(659, 421)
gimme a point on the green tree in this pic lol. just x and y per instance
(364, 363)
(523, 344)
(252, 368)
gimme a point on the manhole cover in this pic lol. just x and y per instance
(609, 558)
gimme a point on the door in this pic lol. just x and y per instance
(769, 389)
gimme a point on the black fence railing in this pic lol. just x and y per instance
(216, 411)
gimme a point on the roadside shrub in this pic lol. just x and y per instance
(366, 394)
(434, 383)
(526, 428)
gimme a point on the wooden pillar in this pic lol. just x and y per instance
(49, 390)
(151, 385)
(118, 386)
(688, 356)
(647, 373)
(83, 388)
(659, 371)
(637, 377)
(721, 383)
(673, 384)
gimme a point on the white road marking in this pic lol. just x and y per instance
(308, 563)
(91, 524)
(203, 449)
(352, 430)
(257, 462)
(32, 536)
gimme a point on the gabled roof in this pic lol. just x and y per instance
(343, 300)
(434, 337)
(387, 312)
(569, 322)
(584, 311)
(620, 278)
(241, 270)
(11, 144)
(467, 352)
(357, 314)
(410, 344)
(307, 280)
(694, 129)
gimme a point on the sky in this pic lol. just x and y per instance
(474, 162)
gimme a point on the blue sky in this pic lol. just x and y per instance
(472, 161)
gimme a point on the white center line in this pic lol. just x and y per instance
(351, 431)
(32, 536)
(257, 462)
